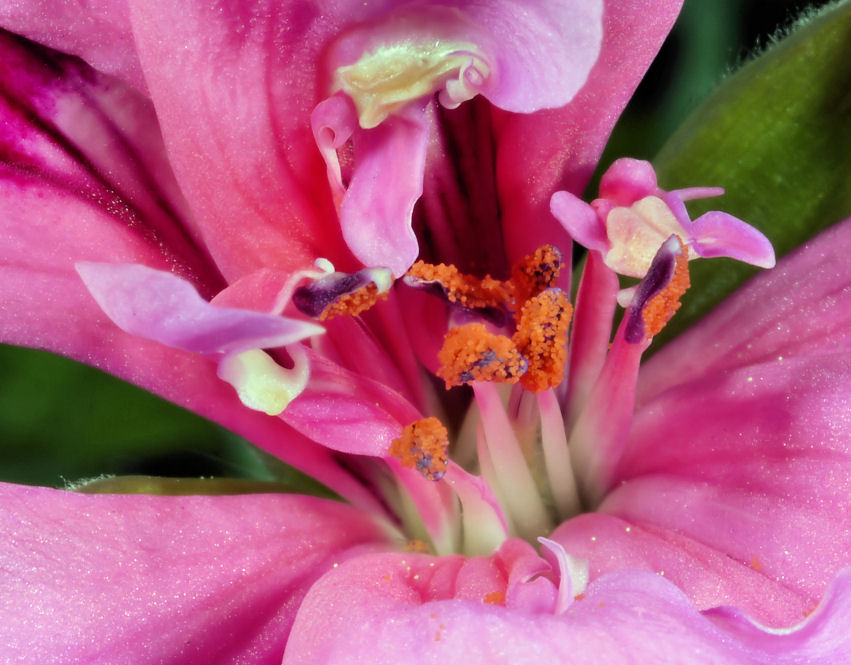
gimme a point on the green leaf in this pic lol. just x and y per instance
(182, 486)
(777, 136)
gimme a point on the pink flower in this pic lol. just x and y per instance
(164, 214)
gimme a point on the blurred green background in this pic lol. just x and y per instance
(61, 422)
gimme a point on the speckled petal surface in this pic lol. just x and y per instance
(136, 580)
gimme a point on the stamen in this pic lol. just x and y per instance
(542, 338)
(464, 290)
(342, 294)
(423, 446)
(472, 353)
(664, 305)
(657, 296)
(535, 273)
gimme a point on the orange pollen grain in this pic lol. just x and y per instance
(423, 446)
(465, 290)
(352, 304)
(494, 598)
(416, 545)
(542, 339)
(472, 353)
(535, 273)
(664, 305)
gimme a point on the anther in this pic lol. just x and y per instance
(423, 446)
(542, 338)
(535, 273)
(342, 294)
(658, 295)
(464, 290)
(472, 353)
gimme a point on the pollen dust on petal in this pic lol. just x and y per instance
(464, 290)
(664, 304)
(352, 304)
(416, 545)
(535, 273)
(423, 446)
(541, 338)
(494, 598)
(473, 353)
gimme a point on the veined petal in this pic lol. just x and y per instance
(135, 579)
(395, 608)
(99, 33)
(158, 305)
(234, 102)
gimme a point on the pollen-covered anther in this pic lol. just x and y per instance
(542, 338)
(473, 353)
(664, 305)
(423, 446)
(352, 304)
(494, 598)
(343, 294)
(535, 273)
(464, 290)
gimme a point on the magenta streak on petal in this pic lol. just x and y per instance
(158, 305)
(592, 326)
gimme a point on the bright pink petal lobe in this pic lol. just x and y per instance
(627, 181)
(719, 234)
(158, 305)
(135, 580)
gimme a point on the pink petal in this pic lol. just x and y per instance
(580, 220)
(719, 234)
(750, 328)
(233, 91)
(147, 579)
(627, 181)
(755, 462)
(387, 180)
(99, 33)
(561, 148)
(396, 608)
(157, 305)
(85, 178)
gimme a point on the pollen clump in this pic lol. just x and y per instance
(494, 598)
(423, 446)
(664, 304)
(352, 304)
(541, 338)
(535, 273)
(464, 290)
(472, 353)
